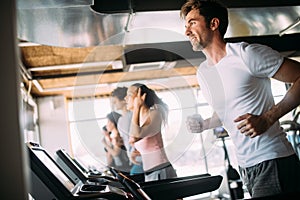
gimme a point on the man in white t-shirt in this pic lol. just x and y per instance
(235, 80)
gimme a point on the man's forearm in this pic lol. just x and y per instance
(212, 122)
(290, 101)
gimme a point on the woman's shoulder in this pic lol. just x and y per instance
(159, 112)
(157, 107)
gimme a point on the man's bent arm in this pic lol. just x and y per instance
(289, 72)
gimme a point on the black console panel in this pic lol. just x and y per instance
(64, 179)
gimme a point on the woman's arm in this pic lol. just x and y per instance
(109, 159)
(113, 150)
(135, 121)
(152, 125)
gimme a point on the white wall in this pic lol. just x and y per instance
(53, 124)
(14, 161)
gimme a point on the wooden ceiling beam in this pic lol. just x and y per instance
(37, 56)
(88, 85)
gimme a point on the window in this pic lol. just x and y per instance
(86, 119)
(189, 153)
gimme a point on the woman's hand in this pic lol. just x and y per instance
(104, 141)
(133, 156)
(139, 100)
(132, 140)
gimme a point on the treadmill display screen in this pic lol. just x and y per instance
(48, 162)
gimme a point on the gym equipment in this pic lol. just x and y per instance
(135, 189)
(293, 131)
(172, 188)
(51, 181)
(235, 184)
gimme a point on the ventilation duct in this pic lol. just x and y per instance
(75, 23)
(128, 6)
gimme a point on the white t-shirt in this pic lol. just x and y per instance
(123, 128)
(238, 84)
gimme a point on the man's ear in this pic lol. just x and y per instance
(214, 24)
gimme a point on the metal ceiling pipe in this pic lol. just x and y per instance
(293, 25)
(75, 24)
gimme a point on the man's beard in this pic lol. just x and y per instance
(202, 43)
(197, 46)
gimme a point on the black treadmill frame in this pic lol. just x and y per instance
(165, 189)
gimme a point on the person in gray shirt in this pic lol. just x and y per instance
(118, 101)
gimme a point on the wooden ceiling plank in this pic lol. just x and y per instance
(37, 56)
(116, 77)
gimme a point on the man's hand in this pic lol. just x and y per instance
(252, 125)
(194, 123)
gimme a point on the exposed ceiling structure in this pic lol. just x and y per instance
(85, 48)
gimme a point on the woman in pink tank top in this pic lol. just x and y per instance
(149, 114)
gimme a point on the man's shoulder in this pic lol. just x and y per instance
(125, 117)
(237, 45)
(245, 46)
(204, 63)
(245, 50)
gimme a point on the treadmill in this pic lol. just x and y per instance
(172, 188)
(50, 182)
(77, 172)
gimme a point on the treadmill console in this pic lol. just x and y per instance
(52, 181)
(49, 181)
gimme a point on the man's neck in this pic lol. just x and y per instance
(124, 110)
(215, 52)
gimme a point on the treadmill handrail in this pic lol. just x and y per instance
(132, 187)
(183, 187)
(150, 183)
